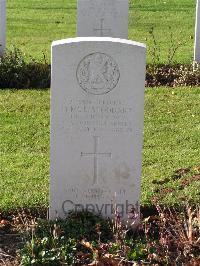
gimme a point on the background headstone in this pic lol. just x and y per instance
(197, 34)
(102, 18)
(97, 105)
(2, 26)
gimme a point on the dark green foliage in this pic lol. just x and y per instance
(12, 65)
(79, 225)
(15, 72)
(57, 242)
(49, 251)
(37, 75)
(162, 239)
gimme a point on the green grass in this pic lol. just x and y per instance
(34, 24)
(171, 141)
(24, 148)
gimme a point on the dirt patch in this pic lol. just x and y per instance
(10, 243)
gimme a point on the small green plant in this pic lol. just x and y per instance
(161, 239)
(171, 73)
(12, 67)
(16, 72)
(155, 48)
(49, 251)
(57, 242)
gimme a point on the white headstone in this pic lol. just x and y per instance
(197, 34)
(97, 104)
(102, 18)
(2, 26)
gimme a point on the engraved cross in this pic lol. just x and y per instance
(102, 28)
(96, 155)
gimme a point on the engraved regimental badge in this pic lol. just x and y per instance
(98, 73)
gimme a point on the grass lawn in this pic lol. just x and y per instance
(32, 25)
(171, 141)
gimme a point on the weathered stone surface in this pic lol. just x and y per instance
(197, 34)
(102, 18)
(97, 104)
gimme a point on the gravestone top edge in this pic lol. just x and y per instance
(97, 113)
(97, 39)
